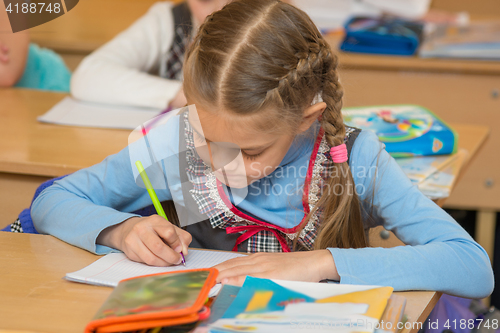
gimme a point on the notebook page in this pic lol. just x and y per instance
(76, 113)
(113, 267)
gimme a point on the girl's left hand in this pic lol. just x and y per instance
(309, 266)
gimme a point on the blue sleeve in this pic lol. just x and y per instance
(78, 207)
(439, 255)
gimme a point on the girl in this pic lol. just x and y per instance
(264, 80)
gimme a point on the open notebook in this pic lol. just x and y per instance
(77, 113)
(114, 267)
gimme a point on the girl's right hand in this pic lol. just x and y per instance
(152, 240)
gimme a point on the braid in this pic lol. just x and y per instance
(332, 95)
(342, 225)
(316, 70)
(341, 215)
(297, 80)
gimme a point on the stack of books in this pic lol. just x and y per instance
(425, 147)
(178, 302)
(434, 175)
(479, 40)
(263, 305)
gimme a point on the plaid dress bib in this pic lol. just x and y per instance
(262, 236)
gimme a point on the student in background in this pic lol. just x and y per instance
(263, 78)
(142, 66)
(26, 65)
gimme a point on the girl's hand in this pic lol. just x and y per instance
(152, 240)
(309, 266)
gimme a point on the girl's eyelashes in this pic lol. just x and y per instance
(201, 139)
(251, 157)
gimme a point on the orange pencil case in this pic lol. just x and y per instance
(157, 300)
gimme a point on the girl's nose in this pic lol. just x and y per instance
(225, 155)
(236, 166)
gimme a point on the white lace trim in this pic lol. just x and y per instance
(214, 195)
(314, 188)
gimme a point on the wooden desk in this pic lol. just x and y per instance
(33, 148)
(35, 297)
(471, 138)
(30, 147)
(459, 92)
(361, 61)
(32, 152)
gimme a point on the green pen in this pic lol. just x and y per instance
(154, 198)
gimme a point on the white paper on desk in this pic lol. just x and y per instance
(76, 113)
(114, 267)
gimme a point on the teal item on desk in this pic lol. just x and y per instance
(223, 301)
(45, 70)
(406, 130)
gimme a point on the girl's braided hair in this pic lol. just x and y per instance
(268, 56)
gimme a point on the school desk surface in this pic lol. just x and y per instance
(30, 147)
(33, 148)
(34, 296)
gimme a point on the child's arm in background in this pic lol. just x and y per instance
(13, 51)
(117, 73)
(91, 206)
(441, 255)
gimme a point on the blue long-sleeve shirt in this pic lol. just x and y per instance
(439, 254)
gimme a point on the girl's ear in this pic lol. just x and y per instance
(311, 114)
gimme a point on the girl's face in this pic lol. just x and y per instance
(232, 144)
(202, 8)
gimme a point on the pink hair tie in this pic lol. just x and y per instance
(339, 153)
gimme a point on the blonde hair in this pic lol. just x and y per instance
(262, 55)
